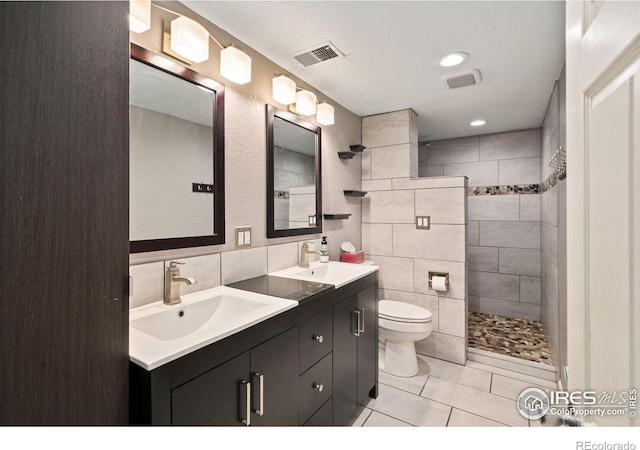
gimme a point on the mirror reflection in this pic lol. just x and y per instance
(173, 188)
(294, 168)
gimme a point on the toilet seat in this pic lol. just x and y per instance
(403, 312)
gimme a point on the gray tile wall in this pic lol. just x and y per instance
(390, 238)
(504, 236)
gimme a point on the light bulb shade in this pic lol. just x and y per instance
(306, 103)
(189, 39)
(325, 114)
(235, 65)
(284, 90)
(139, 15)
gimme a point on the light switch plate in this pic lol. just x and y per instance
(243, 237)
(423, 222)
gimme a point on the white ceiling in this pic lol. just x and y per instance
(391, 50)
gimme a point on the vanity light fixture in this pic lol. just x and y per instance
(306, 102)
(325, 114)
(283, 89)
(139, 15)
(189, 39)
(478, 123)
(235, 65)
(453, 59)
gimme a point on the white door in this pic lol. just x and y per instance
(603, 199)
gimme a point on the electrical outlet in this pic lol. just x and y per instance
(243, 237)
(423, 222)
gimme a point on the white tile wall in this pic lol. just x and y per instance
(444, 206)
(387, 129)
(243, 264)
(519, 171)
(388, 207)
(377, 239)
(442, 242)
(390, 162)
(484, 173)
(510, 145)
(510, 234)
(494, 207)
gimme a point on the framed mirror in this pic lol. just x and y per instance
(176, 126)
(294, 187)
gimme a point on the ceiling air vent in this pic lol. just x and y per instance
(317, 54)
(458, 80)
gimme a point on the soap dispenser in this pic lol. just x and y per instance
(324, 250)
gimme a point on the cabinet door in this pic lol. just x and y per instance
(216, 397)
(275, 364)
(345, 360)
(368, 344)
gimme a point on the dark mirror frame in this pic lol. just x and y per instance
(273, 112)
(218, 233)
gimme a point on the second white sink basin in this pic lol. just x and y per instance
(159, 333)
(333, 272)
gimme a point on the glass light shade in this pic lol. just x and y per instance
(189, 39)
(306, 103)
(325, 114)
(235, 65)
(139, 15)
(284, 90)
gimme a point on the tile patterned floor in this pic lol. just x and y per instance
(511, 337)
(445, 394)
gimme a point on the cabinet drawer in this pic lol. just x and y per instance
(322, 417)
(316, 387)
(316, 339)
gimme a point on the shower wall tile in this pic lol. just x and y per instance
(530, 208)
(388, 207)
(510, 309)
(390, 162)
(431, 171)
(376, 185)
(444, 346)
(441, 242)
(484, 173)
(494, 285)
(510, 234)
(483, 259)
(428, 183)
(377, 239)
(452, 314)
(474, 303)
(549, 237)
(457, 277)
(444, 206)
(366, 165)
(530, 290)
(382, 130)
(473, 232)
(519, 261)
(453, 151)
(495, 207)
(510, 145)
(428, 302)
(395, 273)
(549, 206)
(519, 171)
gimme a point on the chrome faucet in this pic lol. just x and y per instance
(304, 254)
(172, 280)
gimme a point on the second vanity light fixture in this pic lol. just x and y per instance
(284, 91)
(190, 40)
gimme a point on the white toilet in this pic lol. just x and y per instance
(400, 326)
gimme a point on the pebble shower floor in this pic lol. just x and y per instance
(519, 338)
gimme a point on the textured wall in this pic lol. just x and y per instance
(245, 164)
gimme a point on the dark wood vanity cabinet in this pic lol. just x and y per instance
(317, 361)
(258, 387)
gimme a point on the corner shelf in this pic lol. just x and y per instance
(336, 216)
(355, 193)
(357, 148)
(346, 155)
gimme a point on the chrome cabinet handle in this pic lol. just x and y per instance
(318, 338)
(247, 420)
(361, 321)
(355, 323)
(260, 410)
(319, 387)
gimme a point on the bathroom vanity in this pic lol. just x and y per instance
(312, 364)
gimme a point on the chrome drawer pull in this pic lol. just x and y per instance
(319, 387)
(361, 321)
(247, 385)
(355, 323)
(318, 338)
(260, 410)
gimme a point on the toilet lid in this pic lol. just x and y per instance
(403, 312)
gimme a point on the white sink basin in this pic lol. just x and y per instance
(159, 333)
(333, 272)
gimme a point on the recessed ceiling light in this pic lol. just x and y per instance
(478, 123)
(453, 59)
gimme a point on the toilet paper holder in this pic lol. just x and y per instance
(438, 274)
